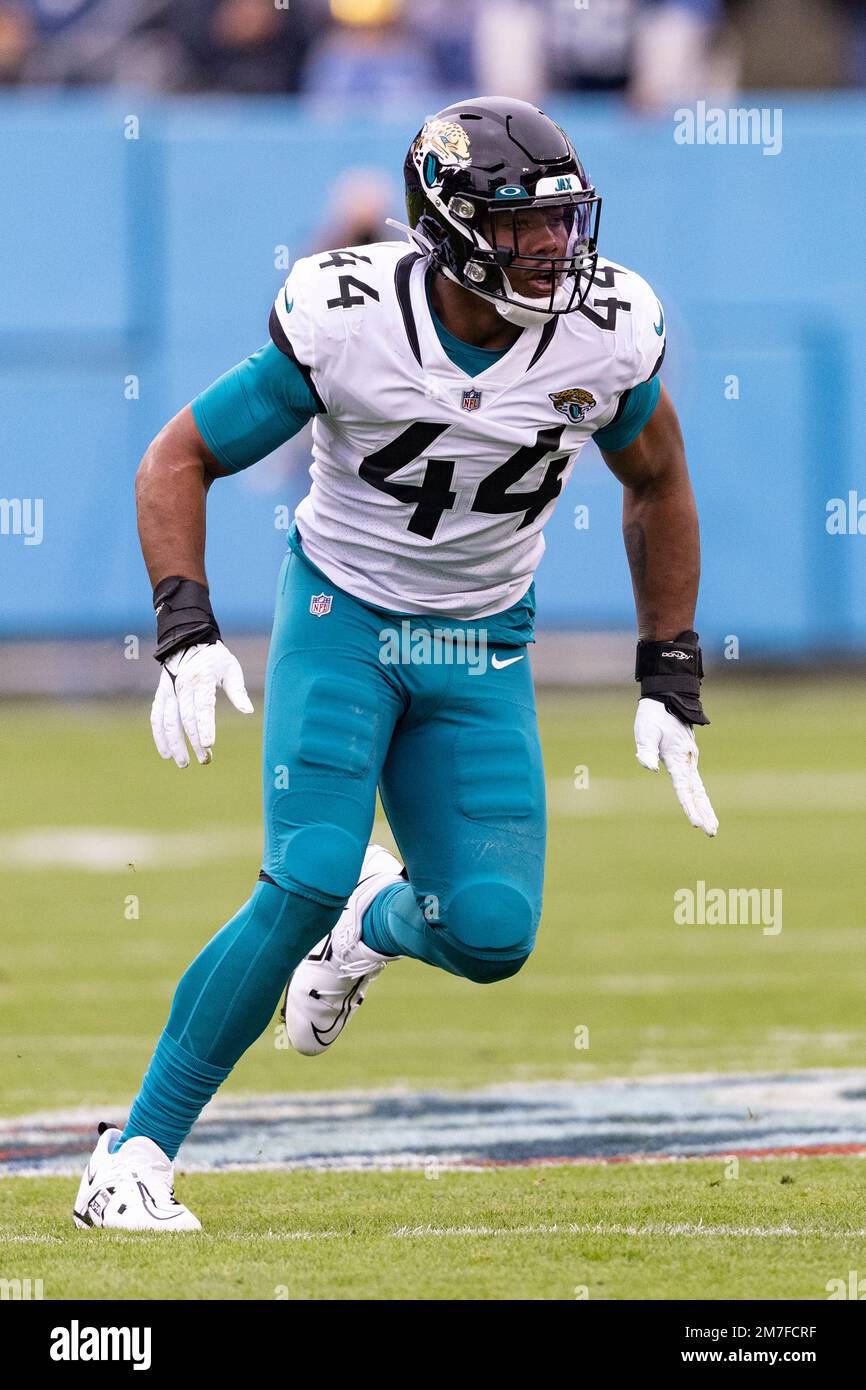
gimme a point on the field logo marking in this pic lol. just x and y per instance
(652, 1119)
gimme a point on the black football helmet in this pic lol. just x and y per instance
(472, 173)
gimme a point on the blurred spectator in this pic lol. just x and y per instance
(797, 43)
(73, 42)
(511, 41)
(854, 12)
(411, 53)
(369, 54)
(359, 202)
(243, 45)
(231, 45)
(445, 30)
(16, 40)
(681, 51)
(657, 52)
(589, 49)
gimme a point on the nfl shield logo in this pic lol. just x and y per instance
(320, 604)
(471, 399)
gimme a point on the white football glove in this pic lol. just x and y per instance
(659, 734)
(185, 700)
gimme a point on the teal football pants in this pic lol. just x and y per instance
(445, 727)
(453, 747)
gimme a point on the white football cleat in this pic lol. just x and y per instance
(130, 1189)
(330, 983)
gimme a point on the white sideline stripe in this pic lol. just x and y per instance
(31, 1240)
(602, 1228)
(114, 849)
(133, 1236)
(650, 1230)
(247, 1237)
(107, 849)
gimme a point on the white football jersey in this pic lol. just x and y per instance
(430, 487)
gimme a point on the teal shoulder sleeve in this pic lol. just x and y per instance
(255, 407)
(636, 406)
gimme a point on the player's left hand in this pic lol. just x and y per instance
(659, 734)
(185, 700)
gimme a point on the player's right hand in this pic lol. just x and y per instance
(185, 700)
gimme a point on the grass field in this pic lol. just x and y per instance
(115, 867)
(782, 1230)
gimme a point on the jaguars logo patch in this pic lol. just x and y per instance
(574, 403)
(447, 140)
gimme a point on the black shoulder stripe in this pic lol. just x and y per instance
(404, 299)
(658, 364)
(623, 402)
(544, 341)
(280, 340)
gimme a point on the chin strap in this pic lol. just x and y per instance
(412, 235)
(521, 311)
(518, 310)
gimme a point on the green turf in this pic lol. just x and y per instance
(355, 1242)
(84, 991)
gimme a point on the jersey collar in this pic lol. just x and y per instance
(410, 283)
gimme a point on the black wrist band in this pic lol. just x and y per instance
(671, 672)
(183, 615)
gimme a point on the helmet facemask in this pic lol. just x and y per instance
(517, 228)
(534, 260)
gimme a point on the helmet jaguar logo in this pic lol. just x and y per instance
(447, 140)
(575, 403)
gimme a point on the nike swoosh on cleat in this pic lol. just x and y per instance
(147, 1197)
(341, 1019)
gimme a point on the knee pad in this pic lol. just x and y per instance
(492, 927)
(321, 862)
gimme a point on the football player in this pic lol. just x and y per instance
(453, 381)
